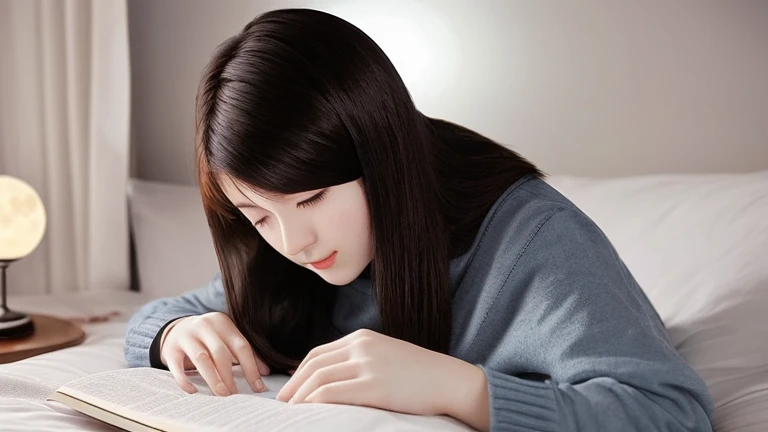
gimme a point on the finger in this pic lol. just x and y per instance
(222, 359)
(327, 375)
(322, 349)
(349, 392)
(175, 361)
(263, 368)
(301, 375)
(227, 327)
(243, 354)
(205, 366)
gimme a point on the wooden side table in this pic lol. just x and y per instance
(50, 334)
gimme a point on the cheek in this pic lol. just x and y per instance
(271, 234)
(352, 224)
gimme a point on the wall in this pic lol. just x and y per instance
(593, 87)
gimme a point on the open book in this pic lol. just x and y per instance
(146, 399)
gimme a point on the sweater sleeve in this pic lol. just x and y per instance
(150, 319)
(569, 310)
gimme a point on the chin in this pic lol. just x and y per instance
(338, 278)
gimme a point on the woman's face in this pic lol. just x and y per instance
(324, 230)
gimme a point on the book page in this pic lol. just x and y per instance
(152, 397)
(144, 393)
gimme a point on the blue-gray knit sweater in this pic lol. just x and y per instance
(566, 337)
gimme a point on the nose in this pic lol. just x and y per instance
(296, 237)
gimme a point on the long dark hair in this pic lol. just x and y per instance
(302, 100)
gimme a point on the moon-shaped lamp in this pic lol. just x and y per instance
(22, 226)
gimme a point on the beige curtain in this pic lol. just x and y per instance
(64, 128)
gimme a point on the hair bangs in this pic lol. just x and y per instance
(301, 149)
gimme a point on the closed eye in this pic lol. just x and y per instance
(303, 204)
(313, 200)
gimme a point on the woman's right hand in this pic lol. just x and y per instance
(210, 343)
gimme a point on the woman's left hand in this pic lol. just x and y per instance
(370, 369)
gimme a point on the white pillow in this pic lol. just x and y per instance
(698, 245)
(174, 249)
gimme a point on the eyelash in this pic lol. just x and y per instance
(312, 202)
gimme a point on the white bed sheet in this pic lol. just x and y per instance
(25, 384)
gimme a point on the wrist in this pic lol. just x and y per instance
(470, 402)
(166, 330)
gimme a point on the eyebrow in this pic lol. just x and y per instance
(252, 205)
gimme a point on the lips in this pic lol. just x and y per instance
(326, 262)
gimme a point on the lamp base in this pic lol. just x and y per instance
(15, 325)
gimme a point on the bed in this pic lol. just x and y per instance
(698, 245)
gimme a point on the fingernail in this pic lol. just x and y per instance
(191, 390)
(259, 385)
(290, 401)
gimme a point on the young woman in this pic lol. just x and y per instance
(398, 261)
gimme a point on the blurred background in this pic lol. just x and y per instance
(96, 93)
(588, 87)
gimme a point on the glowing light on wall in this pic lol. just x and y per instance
(415, 38)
